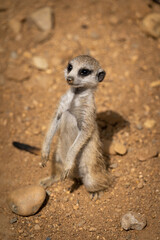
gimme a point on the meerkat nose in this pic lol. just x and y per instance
(70, 80)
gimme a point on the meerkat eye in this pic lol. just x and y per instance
(84, 72)
(70, 67)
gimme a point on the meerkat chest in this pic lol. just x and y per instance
(77, 105)
(79, 108)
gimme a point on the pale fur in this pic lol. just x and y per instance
(78, 153)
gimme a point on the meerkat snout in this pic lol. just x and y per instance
(70, 80)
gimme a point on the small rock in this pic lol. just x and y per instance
(48, 238)
(134, 58)
(132, 220)
(27, 54)
(139, 126)
(127, 184)
(26, 201)
(144, 68)
(155, 84)
(80, 224)
(25, 234)
(151, 25)
(147, 153)
(140, 185)
(15, 25)
(149, 123)
(92, 229)
(37, 227)
(14, 55)
(18, 73)
(113, 165)
(13, 220)
(40, 63)
(43, 18)
(120, 148)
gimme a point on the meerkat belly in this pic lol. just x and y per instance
(68, 133)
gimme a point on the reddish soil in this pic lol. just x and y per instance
(109, 31)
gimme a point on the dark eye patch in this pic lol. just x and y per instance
(83, 72)
(69, 67)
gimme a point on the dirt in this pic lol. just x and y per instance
(128, 107)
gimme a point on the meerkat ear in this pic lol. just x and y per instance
(101, 75)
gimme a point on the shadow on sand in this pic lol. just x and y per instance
(109, 123)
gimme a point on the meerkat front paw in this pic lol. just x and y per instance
(65, 174)
(44, 159)
(67, 169)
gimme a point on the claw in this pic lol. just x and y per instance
(94, 196)
(45, 159)
(65, 174)
(43, 164)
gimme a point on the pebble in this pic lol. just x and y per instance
(27, 54)
(149, 123)
(147, 153)
(120, 148)
(13, 55)
(140, 185)
(14, 220)
(43, 18)
(113, 165)
(132, 220)
(40, 63)
(127, 184)
(151, 25)
(15, 25)
(139, 126)
(80, 224)
(155, 84)
(48, 238)
(26, 201)
(92, 229)
(37, 227)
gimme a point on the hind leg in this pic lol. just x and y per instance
(57, 169)
(95, 179)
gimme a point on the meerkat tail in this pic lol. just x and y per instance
(27, 148)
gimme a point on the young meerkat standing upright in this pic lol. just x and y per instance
(78, 153)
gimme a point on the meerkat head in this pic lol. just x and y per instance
(84, 71)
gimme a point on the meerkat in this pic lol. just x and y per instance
(78, 153)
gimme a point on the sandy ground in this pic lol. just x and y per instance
(110, 31)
